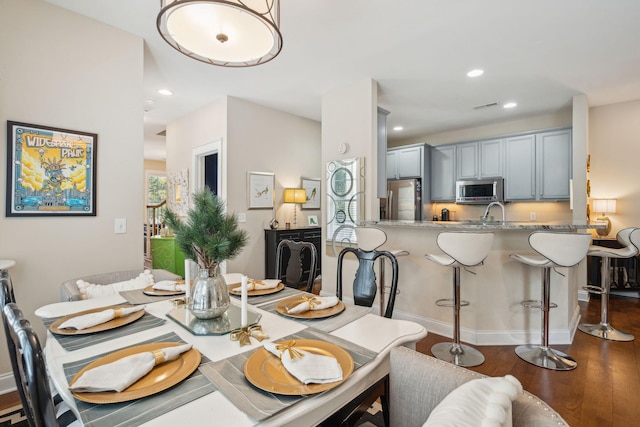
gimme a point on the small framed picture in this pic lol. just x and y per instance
(260, 189)
(312, 188)
(312, 220)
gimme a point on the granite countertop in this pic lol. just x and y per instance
(479, 225)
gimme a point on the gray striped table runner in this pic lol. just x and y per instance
(75, 342)
(228, 376)
(136, 412)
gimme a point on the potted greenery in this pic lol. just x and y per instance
(209, 236)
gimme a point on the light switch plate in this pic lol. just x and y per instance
(241, 217)
(120, 226)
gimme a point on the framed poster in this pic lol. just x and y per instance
(312, 188)
(260, 188)
(50, 171)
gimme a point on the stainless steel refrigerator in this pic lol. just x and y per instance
(404, 200)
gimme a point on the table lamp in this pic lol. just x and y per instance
(604, 206)
(295, 195)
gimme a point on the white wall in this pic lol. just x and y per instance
(349, 114)
(64, 70)
(614, 145)
(547, 121)
(256, 138)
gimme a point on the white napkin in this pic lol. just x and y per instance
(259, 284)
(118, 375)
(310, 368)
(319, 303)
(169, 285)
(92, 319)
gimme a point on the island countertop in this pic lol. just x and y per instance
(480, 225)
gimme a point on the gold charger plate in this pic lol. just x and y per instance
(162, 376)
(281, 308)
(111, 324)
(160, 293)
(265, 371)
(255, 292)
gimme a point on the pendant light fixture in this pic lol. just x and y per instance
(228, 33)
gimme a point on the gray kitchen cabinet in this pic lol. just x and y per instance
(520, 168)
(405, 162)
(443, 173)
(467, 160)
(554, 170)
(479, 159)
(538, 166)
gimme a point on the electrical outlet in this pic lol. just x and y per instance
(532, 216)
(241, 217)
(120, 226)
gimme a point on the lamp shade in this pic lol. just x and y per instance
(295, 195)
(604, 206)
(229, 33)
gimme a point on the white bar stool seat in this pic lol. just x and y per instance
(630, 238)
(551, 250)
(461, 249)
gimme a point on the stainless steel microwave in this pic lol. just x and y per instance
(480, 191)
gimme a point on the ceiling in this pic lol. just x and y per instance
(536, 53)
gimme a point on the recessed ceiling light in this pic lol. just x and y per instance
(398, 128)
(475, 73)
(166, 92)
(509, 105)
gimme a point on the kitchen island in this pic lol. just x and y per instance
(495, 315)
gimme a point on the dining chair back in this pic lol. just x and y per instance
(31, 372)
(364, 284)
(293, 273)
(7, 297)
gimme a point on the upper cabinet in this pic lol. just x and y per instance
(538, 166)
(477, 160)
(405, 162)
(443, 173)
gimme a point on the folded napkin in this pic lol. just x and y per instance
(92, 319)
(169, 285)
(259, 284)
(306, 367)
(313, 303)
(118, 375)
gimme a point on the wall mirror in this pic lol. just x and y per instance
(345, 202)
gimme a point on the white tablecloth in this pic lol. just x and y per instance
(370, 331)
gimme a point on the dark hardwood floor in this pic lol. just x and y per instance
(604, 390)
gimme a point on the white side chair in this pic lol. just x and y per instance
(551, 250)
(630, 238)
(461, 249)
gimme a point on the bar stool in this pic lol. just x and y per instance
(630, 238)
(461, 249)
(552, 250)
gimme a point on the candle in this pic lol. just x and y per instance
(243, 302)
(187, 279)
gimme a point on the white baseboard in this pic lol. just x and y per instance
(7, 383)
(583, 295)
(503, 337)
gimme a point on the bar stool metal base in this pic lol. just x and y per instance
(605, 331)
(546, 358)
(458, 354)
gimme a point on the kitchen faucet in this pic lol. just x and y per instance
(486, 213)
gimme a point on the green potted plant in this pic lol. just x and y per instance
(209, 236)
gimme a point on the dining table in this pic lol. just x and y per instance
(217, 392)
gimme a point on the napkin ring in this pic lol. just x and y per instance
(117, 312)
(158, 356)
(312, 301)
(245, 333)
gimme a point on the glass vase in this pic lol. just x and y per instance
(209, 295)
